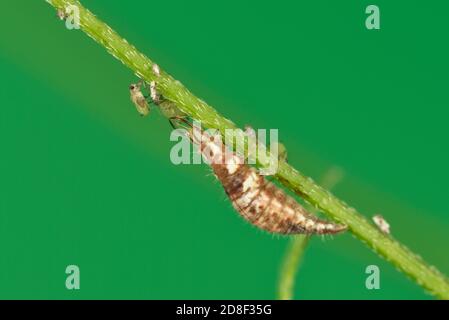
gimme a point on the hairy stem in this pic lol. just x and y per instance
(400, 256)
(298, 245)
(290, 265)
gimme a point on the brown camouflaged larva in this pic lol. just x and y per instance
(258, 200)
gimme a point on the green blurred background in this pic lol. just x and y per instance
(84, 180)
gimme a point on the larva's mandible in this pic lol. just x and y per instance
(256, 199)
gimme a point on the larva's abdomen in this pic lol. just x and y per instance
(266, 206)
(258, 200)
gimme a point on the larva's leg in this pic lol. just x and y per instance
(172, 121)
(177, 121)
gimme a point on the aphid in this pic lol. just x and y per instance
(153, 93)
(139, 99)
(381, 223)
(256, 199)
(167, 108)
(156, 69)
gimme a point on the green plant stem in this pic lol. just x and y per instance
(293, 257)
(298, 244)
(400, 256)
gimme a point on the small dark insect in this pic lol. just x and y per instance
(256, 199)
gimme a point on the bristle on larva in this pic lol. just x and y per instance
(258, 200)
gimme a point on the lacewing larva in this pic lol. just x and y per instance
(256, 199)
